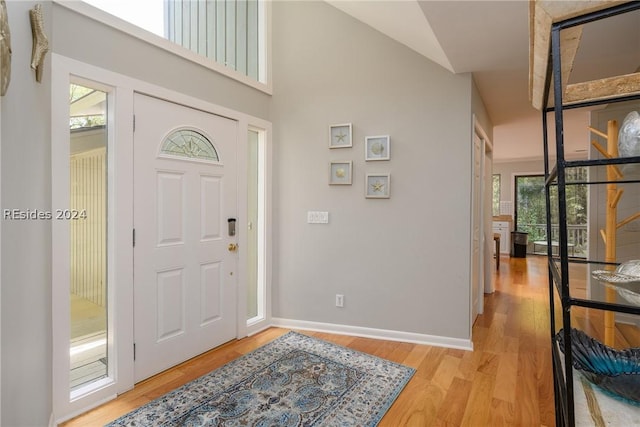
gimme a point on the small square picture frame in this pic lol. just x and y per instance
(377, 148)
(378, 186)
(340, 172)
(340, 136)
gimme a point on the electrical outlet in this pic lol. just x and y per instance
(339, 300)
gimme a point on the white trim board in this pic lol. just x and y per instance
(381, 334)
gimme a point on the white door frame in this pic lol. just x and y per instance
(477, 243)
(485, 260)
(489, 262)
(120, 258)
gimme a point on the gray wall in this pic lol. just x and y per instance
(403, 263)
(26, 245)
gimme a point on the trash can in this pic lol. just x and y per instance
(519, 244)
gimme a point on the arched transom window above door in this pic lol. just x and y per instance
(191, 144)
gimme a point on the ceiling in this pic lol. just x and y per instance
(491, 40)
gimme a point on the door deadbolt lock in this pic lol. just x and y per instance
(232, 247)
(231, 222)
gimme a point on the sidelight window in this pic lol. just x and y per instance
(87, 219)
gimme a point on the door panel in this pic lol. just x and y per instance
(210, 218)
(170, 208)
(170, 287)
(184, 281)
(211, 287)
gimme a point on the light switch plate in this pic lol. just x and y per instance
(317, 217)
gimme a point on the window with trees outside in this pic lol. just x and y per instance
(530, 212)
(496, 194)
(229, 32)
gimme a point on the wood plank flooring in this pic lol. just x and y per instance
(505, 381)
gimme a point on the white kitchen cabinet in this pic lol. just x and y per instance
(503, 228)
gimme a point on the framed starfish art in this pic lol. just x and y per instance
(378, 186)
(340, 136)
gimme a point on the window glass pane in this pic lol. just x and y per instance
(87, 217)
(189, 143)
(496, 194)
(531, 207)
(252, 235)
(147, 14)
(530, 212)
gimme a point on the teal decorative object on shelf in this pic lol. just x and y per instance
(615, 371)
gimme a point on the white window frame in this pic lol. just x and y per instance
(259, 321)
(69, 403)
(265, 81)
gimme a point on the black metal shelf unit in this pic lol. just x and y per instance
(556, 177)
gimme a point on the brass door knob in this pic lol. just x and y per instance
(232, 247)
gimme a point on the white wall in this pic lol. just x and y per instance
(507, 170)
(521, 140)
(26, 245)
(403, 263)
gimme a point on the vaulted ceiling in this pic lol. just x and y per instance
(491, 40)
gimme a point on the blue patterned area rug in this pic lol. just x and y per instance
(295, 380)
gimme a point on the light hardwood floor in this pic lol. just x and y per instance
(505, 381)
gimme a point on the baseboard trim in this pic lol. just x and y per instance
(383, 334)
(82, 410)
(256, 330)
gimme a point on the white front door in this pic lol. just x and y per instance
(185, 190)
